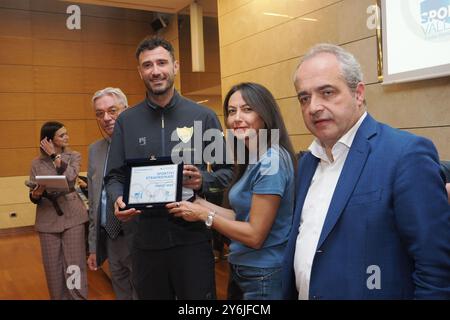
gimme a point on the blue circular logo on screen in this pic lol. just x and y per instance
(428, 19)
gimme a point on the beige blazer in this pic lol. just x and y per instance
(75, 213)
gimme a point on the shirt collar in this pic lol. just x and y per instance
(171, 104)
(345, 141)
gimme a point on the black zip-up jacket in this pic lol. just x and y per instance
(147, 130)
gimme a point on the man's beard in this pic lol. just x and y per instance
(161, 91)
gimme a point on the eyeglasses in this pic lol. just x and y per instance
(113, 112)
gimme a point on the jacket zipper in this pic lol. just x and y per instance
(163, 144)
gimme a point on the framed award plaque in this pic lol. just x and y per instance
(152, 182)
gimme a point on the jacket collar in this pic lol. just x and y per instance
(348, 179)
(172, 103)
(351, 172)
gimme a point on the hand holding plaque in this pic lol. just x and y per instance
(121, 211)
(192, 177)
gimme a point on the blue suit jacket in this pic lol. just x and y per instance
(389, 211)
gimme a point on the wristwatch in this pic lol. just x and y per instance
(209, 219)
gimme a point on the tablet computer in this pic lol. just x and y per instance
(53, 183)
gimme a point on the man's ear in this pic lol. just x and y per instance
(360, 93)
(139, 71)
(176, 67)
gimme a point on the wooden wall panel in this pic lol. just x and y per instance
(256, 47)
(112, 56)
(276, 77)
(84, 155)
(132, 83)
(49, 6)
(225, 6)
(417, 104)
(16, 78)
(87, 106)
(261, 15)
(284, 70)
(134, 99)
(212, 102)
(15, 23)
(117, 13)
(53, 26)
(114, 31)
(95, 79)
(59, 106)
(212, 58)
(130, 53)
(16, 162)
(15, 4)
(259, 50)
(195, 81)
(440, 137)
(15, 51)
(17, 134)
(58, 79)
(176, 50)
(104, 30)
(136, 31)
(57, 53)
(16, 106)
(104, 12)
(301, 142)
(292, 116)
(127, 80)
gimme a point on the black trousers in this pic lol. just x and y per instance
(182, 272)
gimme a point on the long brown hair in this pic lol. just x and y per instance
(264, 104)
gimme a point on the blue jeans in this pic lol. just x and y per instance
(251, 283)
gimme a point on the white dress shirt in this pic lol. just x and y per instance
(316, 205)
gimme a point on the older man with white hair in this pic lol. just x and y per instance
(106, 237)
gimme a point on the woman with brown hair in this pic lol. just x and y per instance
(60, 216)
(261, 196)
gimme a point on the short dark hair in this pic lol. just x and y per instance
(153, 43)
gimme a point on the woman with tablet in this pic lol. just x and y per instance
(261, 195)
(60, 216)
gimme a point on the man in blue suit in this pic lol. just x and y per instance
(372, 219)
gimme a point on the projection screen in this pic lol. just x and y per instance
(416, 39)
